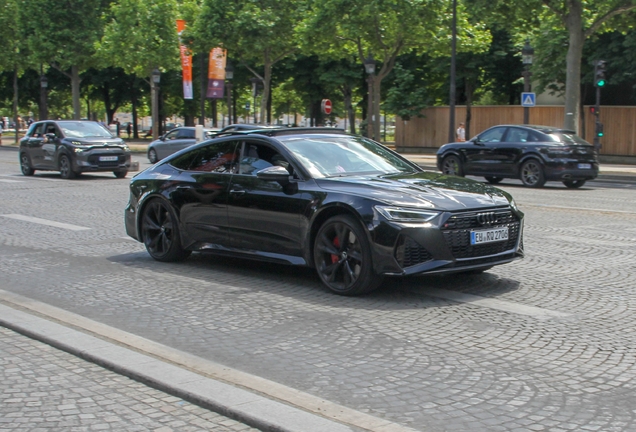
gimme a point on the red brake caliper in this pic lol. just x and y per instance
(336, 243)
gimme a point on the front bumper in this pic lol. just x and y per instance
(401, 249)
(92, 161)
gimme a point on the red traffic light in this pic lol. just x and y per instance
(592, 110)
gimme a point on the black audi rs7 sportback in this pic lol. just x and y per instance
(348, 206)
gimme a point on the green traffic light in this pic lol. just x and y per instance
(600, 134)
(600, 83)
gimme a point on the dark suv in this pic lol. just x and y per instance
(533, 154)
(72, 147)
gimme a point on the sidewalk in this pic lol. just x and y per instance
(47, 388)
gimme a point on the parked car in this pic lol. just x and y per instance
(173, 141)
(243, 127)
(343, 204)
(534, 154)
(72, 147)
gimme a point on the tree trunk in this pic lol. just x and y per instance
(15, 102)
(75, 88)
(469, 104)
(574, 22)
(267, 78)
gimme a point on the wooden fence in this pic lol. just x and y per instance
(430, 132)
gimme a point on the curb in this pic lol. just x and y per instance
(238, 404)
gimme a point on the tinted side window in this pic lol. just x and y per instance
(216, 157)
(172, 135)
(184, 162)
(520, 135)
(492, 135)
(186, 133)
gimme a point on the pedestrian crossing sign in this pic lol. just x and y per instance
(528, 99)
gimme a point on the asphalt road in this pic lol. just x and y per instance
(546, 343)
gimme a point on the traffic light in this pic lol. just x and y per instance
(593, 110)
(599, 73)
(599, 129)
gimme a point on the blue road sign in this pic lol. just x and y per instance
(528, 99)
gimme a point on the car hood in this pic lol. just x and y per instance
(420, 190)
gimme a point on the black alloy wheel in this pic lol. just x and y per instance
(532, 174)
(342, 256)
(452, 166)
(25, 165)
(573, 184)
(152, 156)
(120, 173)
(160, 232)
(66, 168)
(493, 180)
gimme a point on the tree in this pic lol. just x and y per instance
(580, 19)
(64, 36)
(384, 29)
(141, 36)
(257, 32)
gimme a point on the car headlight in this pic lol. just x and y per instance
(399, 214)
(79, 149)
(124, 147)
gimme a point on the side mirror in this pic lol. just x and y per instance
(274, 173)
(49, 137)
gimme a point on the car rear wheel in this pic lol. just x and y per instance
(493, 180)
(152, 156)
(573, 184)
(452, 166)
(342, 256)
(532, 174)
(25, 165)
(66, 168)
(160, 232)
(120, 173)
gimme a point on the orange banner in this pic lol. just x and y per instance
(216, 73)
(186, 62)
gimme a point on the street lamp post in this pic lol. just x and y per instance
(369, 67)
(255, 82)
(229, 74)
(156, 78)
(44, 83)
(527, 52)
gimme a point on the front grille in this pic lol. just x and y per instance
(409, 252)
(94, 160)
(457, 229)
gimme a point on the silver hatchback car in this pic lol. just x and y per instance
(173, 141)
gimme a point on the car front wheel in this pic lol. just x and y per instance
(342, 256)
(573, 184)
(532, 174)
(25, 165)
(493, 180)
(160, 232)
(66, 168)
(120, 173)
(452, 166)
(152, 156)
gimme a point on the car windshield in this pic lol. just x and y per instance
(329, 156)
(80, 129)
(566, 138)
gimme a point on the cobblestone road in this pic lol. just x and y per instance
(546, 343)
(45, 389)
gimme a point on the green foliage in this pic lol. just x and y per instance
(408, 97)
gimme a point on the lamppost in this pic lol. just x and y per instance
(255, 82)
(229, 74)
(527, 52)
(156, 78)
(44, 83)
(369, 67)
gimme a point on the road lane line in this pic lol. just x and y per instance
(45, 222)
(11, 181)
(491, 303)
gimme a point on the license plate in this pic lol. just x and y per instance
(488, 236)
(585, 166)
(107, 158)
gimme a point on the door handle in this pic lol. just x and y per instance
(184, 187)
(237, 191)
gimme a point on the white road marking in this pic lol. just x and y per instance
(580, 208)
(10, 181)
(491, 303)
(33, 178)
(45, 222)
